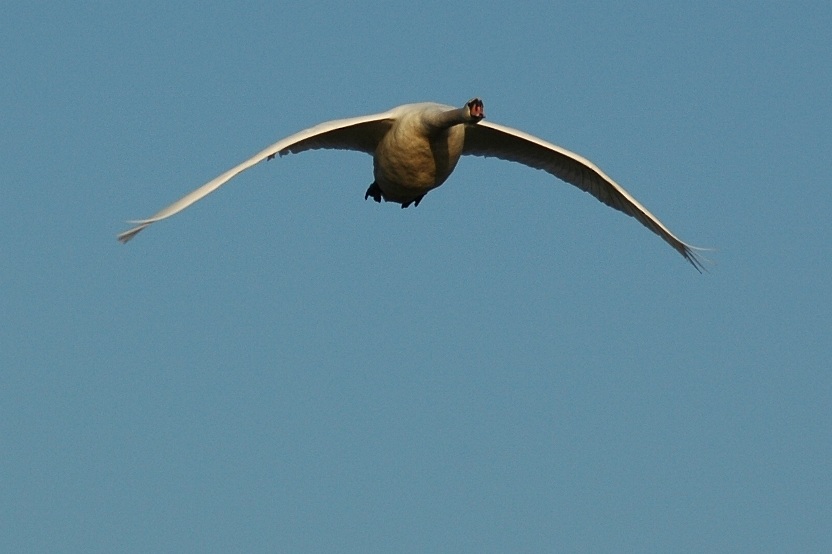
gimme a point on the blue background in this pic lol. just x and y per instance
(510, 367)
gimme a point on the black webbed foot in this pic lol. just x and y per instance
(374, 191)
(414, 202)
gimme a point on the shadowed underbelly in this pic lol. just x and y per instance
(407, 173)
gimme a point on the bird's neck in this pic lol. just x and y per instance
(445, 119)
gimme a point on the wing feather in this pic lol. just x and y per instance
(361, 134)
(492, 140)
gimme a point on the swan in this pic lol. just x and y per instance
(415, 147)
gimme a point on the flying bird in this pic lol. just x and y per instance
(415, 147)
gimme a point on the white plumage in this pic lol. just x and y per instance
(415, 147)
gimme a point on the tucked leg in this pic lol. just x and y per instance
(374, 191)
(415, 202)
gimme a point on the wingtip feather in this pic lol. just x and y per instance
(693, 254)
(125, 237)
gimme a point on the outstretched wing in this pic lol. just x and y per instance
(358, 133)
(492, 140)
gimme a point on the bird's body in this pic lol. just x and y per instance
(415, 148)
(414, 157)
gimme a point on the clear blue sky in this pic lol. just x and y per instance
(509, 367)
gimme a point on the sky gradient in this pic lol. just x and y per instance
(510, 367)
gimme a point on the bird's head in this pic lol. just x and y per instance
(476, 110)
